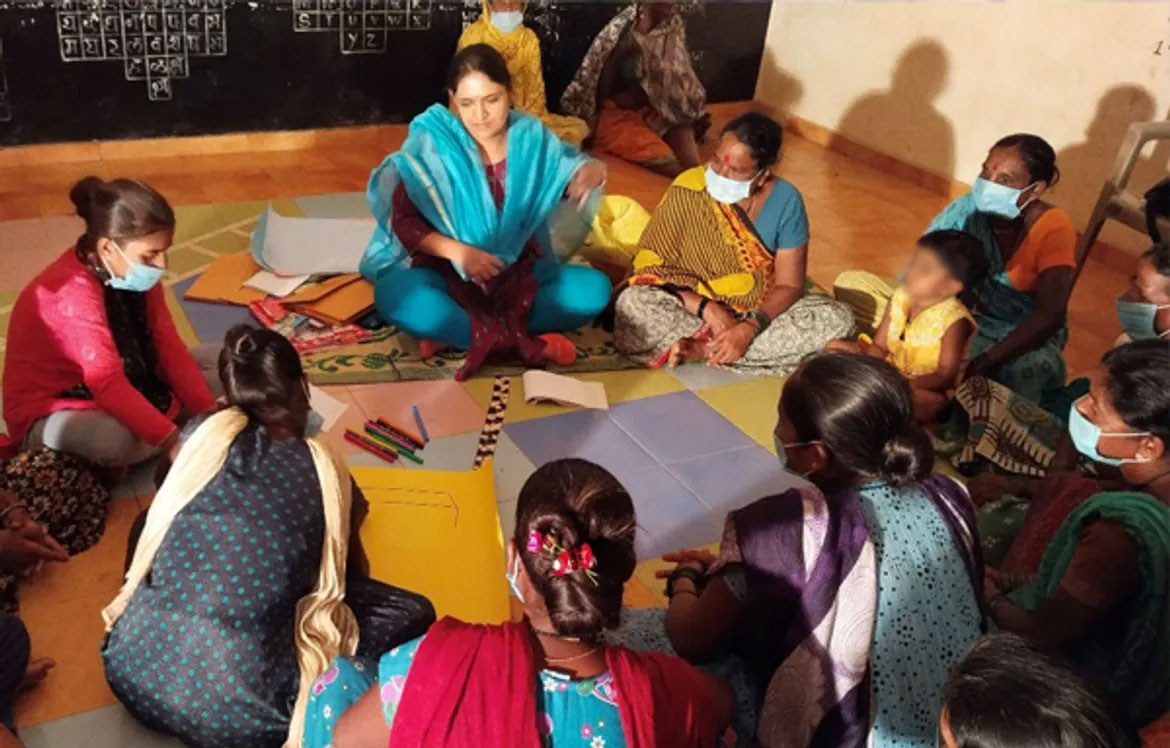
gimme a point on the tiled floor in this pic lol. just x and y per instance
(688, 444)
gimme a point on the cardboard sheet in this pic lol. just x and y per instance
(348, 303)
(223, 281)
(437, 533)
(310, 246)
(544, 386)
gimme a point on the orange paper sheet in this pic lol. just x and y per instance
(437, 533)
(223, 281)
(346, 304)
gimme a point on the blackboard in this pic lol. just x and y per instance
(75, 70)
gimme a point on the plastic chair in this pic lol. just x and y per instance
(1115, 201)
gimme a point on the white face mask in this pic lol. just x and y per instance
(726, 190)
(513, 577)
(507, 21)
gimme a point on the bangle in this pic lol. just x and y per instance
(684, 592)
(684, 572)
(702, 307)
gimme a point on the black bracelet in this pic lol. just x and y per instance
(702, 307)
(685, 572)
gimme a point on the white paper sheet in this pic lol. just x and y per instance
(310, 246)
(546, 386)
(328, 407)
(276, 285)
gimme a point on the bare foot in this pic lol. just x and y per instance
(36, 673)
(687, 349)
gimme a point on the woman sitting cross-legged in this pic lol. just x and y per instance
(722, 272)
(94, 365)
(548, 681)
(835, 610)
(248, 578)
(1099, 591)
(462, 255)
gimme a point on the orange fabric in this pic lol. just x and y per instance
(1157, 734)
(625, 134)
(1050, 243)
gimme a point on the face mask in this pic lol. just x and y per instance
(513, 576)
(725, 190)
(782, 450)
(998, 199)
(139, 277)
(1137, 319)
(507, 21)
(1085, 435)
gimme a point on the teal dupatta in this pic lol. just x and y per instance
(442, 170)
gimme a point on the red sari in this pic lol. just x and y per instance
(472, 684)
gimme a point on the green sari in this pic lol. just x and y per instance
(1138, 678)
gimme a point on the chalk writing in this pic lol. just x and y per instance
(361, 25)
(154, 39)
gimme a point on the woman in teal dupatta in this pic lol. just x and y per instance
(1030, 248)
(468, 213)
(1100, 592)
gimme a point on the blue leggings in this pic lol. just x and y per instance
(416, 300)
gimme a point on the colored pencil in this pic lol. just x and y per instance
(414, 440)
(389, 435)
(381, 438)
(370, 446)
(422, 427)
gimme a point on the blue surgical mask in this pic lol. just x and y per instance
(997, 199)
(726, 190)
(512, 577)
(1137, 319)
(1086, 434)
(507, 21)
(313, 423)
(138, 277)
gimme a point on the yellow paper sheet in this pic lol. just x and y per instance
(437, 533)
(223, 281)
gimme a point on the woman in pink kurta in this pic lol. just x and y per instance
(94, 365)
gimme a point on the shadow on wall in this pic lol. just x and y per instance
(784, 90)
(1085, 166)
(903, 121)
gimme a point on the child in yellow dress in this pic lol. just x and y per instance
(926, 330)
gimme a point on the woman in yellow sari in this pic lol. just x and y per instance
(502, 27)
(721, 274)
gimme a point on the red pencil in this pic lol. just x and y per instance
(386, 433)
(369, 446)
(417, 442)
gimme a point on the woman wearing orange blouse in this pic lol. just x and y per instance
(1031, 257)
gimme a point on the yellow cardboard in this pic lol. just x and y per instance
(437, 533)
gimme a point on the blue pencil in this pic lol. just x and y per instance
(422, 427)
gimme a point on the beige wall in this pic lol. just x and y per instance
(936, 83)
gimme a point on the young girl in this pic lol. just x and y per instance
(844, 604)
(926, 330)
(248, 578)
(548, 681)
(502, 27)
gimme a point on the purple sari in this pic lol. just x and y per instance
(811, 573)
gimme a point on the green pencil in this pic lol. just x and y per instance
(381, 438)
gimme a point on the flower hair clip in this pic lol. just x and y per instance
(565, 560)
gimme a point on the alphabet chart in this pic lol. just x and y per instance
(154, 39)
(361, 25)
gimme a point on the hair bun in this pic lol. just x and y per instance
(908, 457)
(84, 195)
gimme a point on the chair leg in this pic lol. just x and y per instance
(1093, 228)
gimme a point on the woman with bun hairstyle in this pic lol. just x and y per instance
(248, 578)
(550, 680)
(845, 603)
(94, 366)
